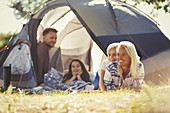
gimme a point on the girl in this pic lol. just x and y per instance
(77, 71)
(77, 77)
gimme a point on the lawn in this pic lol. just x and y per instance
(153, 99)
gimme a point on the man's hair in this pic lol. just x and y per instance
(47, 30)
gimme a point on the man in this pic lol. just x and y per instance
(49, 40)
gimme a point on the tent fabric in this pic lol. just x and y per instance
(149, 44)
(104, 21)
(18, 59)
(21, 64)
(56, 61)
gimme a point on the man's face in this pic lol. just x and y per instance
(50, 38)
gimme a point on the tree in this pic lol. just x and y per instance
(158, 4)
(22, 8)
(4, 40)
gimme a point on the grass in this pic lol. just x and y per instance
(153, 99)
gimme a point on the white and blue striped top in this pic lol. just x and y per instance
(114, 81)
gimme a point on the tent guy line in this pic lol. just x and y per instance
(141, 49)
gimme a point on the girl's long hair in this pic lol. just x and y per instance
(84, 76)
(135, 59)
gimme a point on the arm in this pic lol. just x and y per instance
(79, 76)
(139, 82)
(43, 62)
(70, 80)
(75, 75)
(101, 81)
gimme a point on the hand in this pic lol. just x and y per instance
(74, 77)
(124, 86)
(79, 75)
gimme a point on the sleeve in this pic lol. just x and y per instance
(140, 80)
(110, 73)
(43, 62)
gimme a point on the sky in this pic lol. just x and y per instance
(9, 23)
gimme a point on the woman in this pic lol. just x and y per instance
(128, 73)
(77, 71)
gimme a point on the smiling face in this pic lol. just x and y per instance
(123, 58)
(112, 55)
(76, 68)
(50, 38)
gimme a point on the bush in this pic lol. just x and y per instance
(4, 38)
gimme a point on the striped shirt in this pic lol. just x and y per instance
(113, 81)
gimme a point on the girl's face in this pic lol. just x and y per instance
(76, 68)
(123, 57)
(112, 55)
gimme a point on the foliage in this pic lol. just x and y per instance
(22, 8)
(152, 99)
(158, 4)
(4, 39)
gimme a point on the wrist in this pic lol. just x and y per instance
(79, 78)
(74, 77)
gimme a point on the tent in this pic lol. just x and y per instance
(86, 28)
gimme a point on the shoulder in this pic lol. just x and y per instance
(105, 62)
(140, 65)
(42, 50)
(141, 69)
(112, 66)
(42, 46)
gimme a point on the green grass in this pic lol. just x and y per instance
(153, 99)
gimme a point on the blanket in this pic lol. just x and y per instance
(54, 79)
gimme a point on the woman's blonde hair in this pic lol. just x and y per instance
(135, 59)
(112, 46)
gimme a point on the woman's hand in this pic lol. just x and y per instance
(124, 86)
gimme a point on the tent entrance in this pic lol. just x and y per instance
(72, 38)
